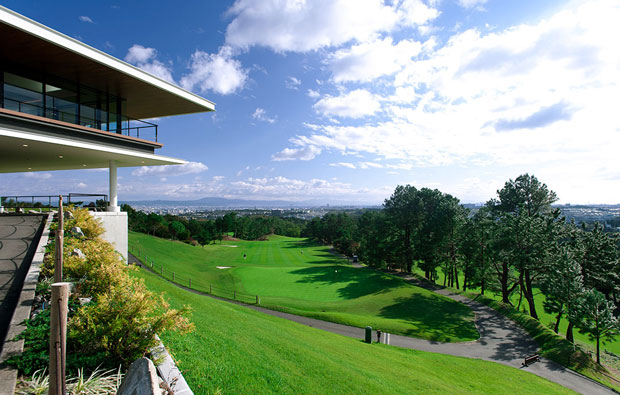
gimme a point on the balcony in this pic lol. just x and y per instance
(127, 126)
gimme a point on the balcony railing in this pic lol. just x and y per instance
(129, 126)
(42, 203)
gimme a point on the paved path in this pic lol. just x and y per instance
(16, 235)
(501, 340)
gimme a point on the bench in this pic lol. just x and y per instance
(531, 359)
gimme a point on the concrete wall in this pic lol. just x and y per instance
(116, 229)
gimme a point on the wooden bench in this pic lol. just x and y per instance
(531, 359)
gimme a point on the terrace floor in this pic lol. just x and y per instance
(19, 236)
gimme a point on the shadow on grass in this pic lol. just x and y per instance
(305, 243)
(440, 319)
(356, 282)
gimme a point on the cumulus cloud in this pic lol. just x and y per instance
(292, 83)
(38, 175)
(170, 170)
(367, 61)
(553, 84)
(146, 59)
(355, 104)
(86, 19)
(261, 115)
(471, 3)
(307, 152)
(301, 26)
(217, 72)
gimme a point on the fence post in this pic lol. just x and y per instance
(173, 276)
(161, 270)
(60, 232)
(190, 282)
(210, 289)
(235, 295)
(257, 300)
(58, 337)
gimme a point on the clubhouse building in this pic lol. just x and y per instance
(65, 105)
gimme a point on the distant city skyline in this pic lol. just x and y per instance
(343, 100)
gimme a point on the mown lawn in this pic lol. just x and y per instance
(235, 350)
(547, 319)
(301, 277)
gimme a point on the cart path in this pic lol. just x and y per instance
(501, 340)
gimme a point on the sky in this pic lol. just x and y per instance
(343, 100)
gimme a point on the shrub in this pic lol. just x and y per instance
(119, 323)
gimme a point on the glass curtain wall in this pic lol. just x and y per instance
(64, 101)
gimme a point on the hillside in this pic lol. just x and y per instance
(237, 350)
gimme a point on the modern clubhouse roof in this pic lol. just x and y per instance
(41, 48)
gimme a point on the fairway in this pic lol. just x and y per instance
(240, 351)
(298, 276)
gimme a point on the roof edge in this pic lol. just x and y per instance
(46, 33)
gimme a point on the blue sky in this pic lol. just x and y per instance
(342, 100)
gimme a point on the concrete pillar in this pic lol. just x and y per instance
(113, 207)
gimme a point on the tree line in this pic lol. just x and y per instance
(205, 231)
(516, 244)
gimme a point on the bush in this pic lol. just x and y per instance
(119, 323)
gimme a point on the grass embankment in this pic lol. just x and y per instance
(547, 319)
(238, 350)
(301, 277)
(552, 346)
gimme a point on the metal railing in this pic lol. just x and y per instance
(53, 113)
(192, 282)
(13, 203)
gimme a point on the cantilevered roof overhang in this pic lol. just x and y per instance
(25, 152)
(41, 49)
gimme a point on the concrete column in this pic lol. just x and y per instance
(113, 207)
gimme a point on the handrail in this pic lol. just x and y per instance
(18, 201)
(43, 111)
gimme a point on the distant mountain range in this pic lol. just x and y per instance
(242, 203)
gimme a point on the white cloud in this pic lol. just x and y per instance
(367, 61)
(313, 94)
(301, 26)
(538, 97)
(38, 175)
(307, 152)
(86, 19)
(343, 164)
(170, 170)
(472, 3)
(146, 59)
(355, 104)
(217, 72)
(261, 115)
(292, 83)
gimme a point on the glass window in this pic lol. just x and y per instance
(23, 94)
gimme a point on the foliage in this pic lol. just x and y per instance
(206, 231)
(98, 382)
(593, 315)
(552, 345)
(117, 326)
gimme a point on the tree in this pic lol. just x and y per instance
(405, 211)
(529, 229)
(593, 315)
(562, 286)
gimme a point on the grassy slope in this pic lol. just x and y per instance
(546, 319)
(314, 283)
(552, 346)
(237, 350)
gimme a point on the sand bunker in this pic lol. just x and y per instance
(223, 267)
(229, 246)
